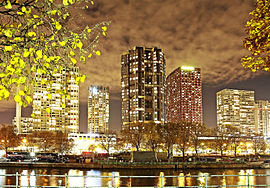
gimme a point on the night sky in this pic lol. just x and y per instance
(202, 33)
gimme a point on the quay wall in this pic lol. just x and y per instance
(133, 165)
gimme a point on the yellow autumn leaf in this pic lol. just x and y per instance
(49, 96)
(23, 9)
(6, 93)
(63, 43)
(89, 30)
(39, 54)
(17, 98)
(72, 53)
(83, 78)
(31, 33)
(8, 48)
(65, 2)
(80, 44)
(74, 61)
(90, 55)
(98, 52)
(28, 99)
(26, 53)
(8, 33)
(58, 25)
(48, 110)
(82, 58)
(104, 28)
(71, 1)
(21, 93)
(8, 5)
(63, 105)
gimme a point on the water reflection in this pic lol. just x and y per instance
(161, 180)
(92, 178)
(93, 181)
(75, 178)
(2, 178)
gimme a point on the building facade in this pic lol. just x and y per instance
(143, 74)
(236, 108)
(184, 95)
(52, 111)
(262, 117)
(23, 125)
(82, 142)
(98, 109)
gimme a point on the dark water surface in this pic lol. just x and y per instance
(157, 180)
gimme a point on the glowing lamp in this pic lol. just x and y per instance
(187, 68)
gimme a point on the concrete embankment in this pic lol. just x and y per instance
(134, 165)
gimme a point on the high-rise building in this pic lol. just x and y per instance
(236, 108)
(262, 117)
(98, 109)
(184, 95)
(23, 125)
(52, 110)
(143, 75)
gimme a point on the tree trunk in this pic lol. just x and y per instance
(221, 152)
(183, 153)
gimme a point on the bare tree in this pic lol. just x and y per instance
(197, 131)
(108, 141)
(152, 138)
(169, 133)
(134, 135)
(258, 143)
(220, 141)
(44, 140)
(234, 137)
(8, 137)
(62, 144)
(184, 138)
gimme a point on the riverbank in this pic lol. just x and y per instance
(111, 165)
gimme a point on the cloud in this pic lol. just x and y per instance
(205, 33)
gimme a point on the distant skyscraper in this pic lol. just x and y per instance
(98, 109)
(64, 112)
(143, 74)
(262, 117)
(184, 95)
(236, 108)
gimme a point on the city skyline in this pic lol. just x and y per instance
(205, 34)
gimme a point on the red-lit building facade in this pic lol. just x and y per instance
(184, 95)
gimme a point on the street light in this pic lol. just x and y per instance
(24, 140)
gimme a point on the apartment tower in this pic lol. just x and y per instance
(262, 117)
(184, 95)
(98, 109)
(236, 108)
(52, 110)
(143, 73)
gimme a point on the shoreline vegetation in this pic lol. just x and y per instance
(140, 165)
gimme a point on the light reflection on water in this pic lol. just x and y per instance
(28, 177)
(2, 178)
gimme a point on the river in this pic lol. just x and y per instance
(84, 181)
